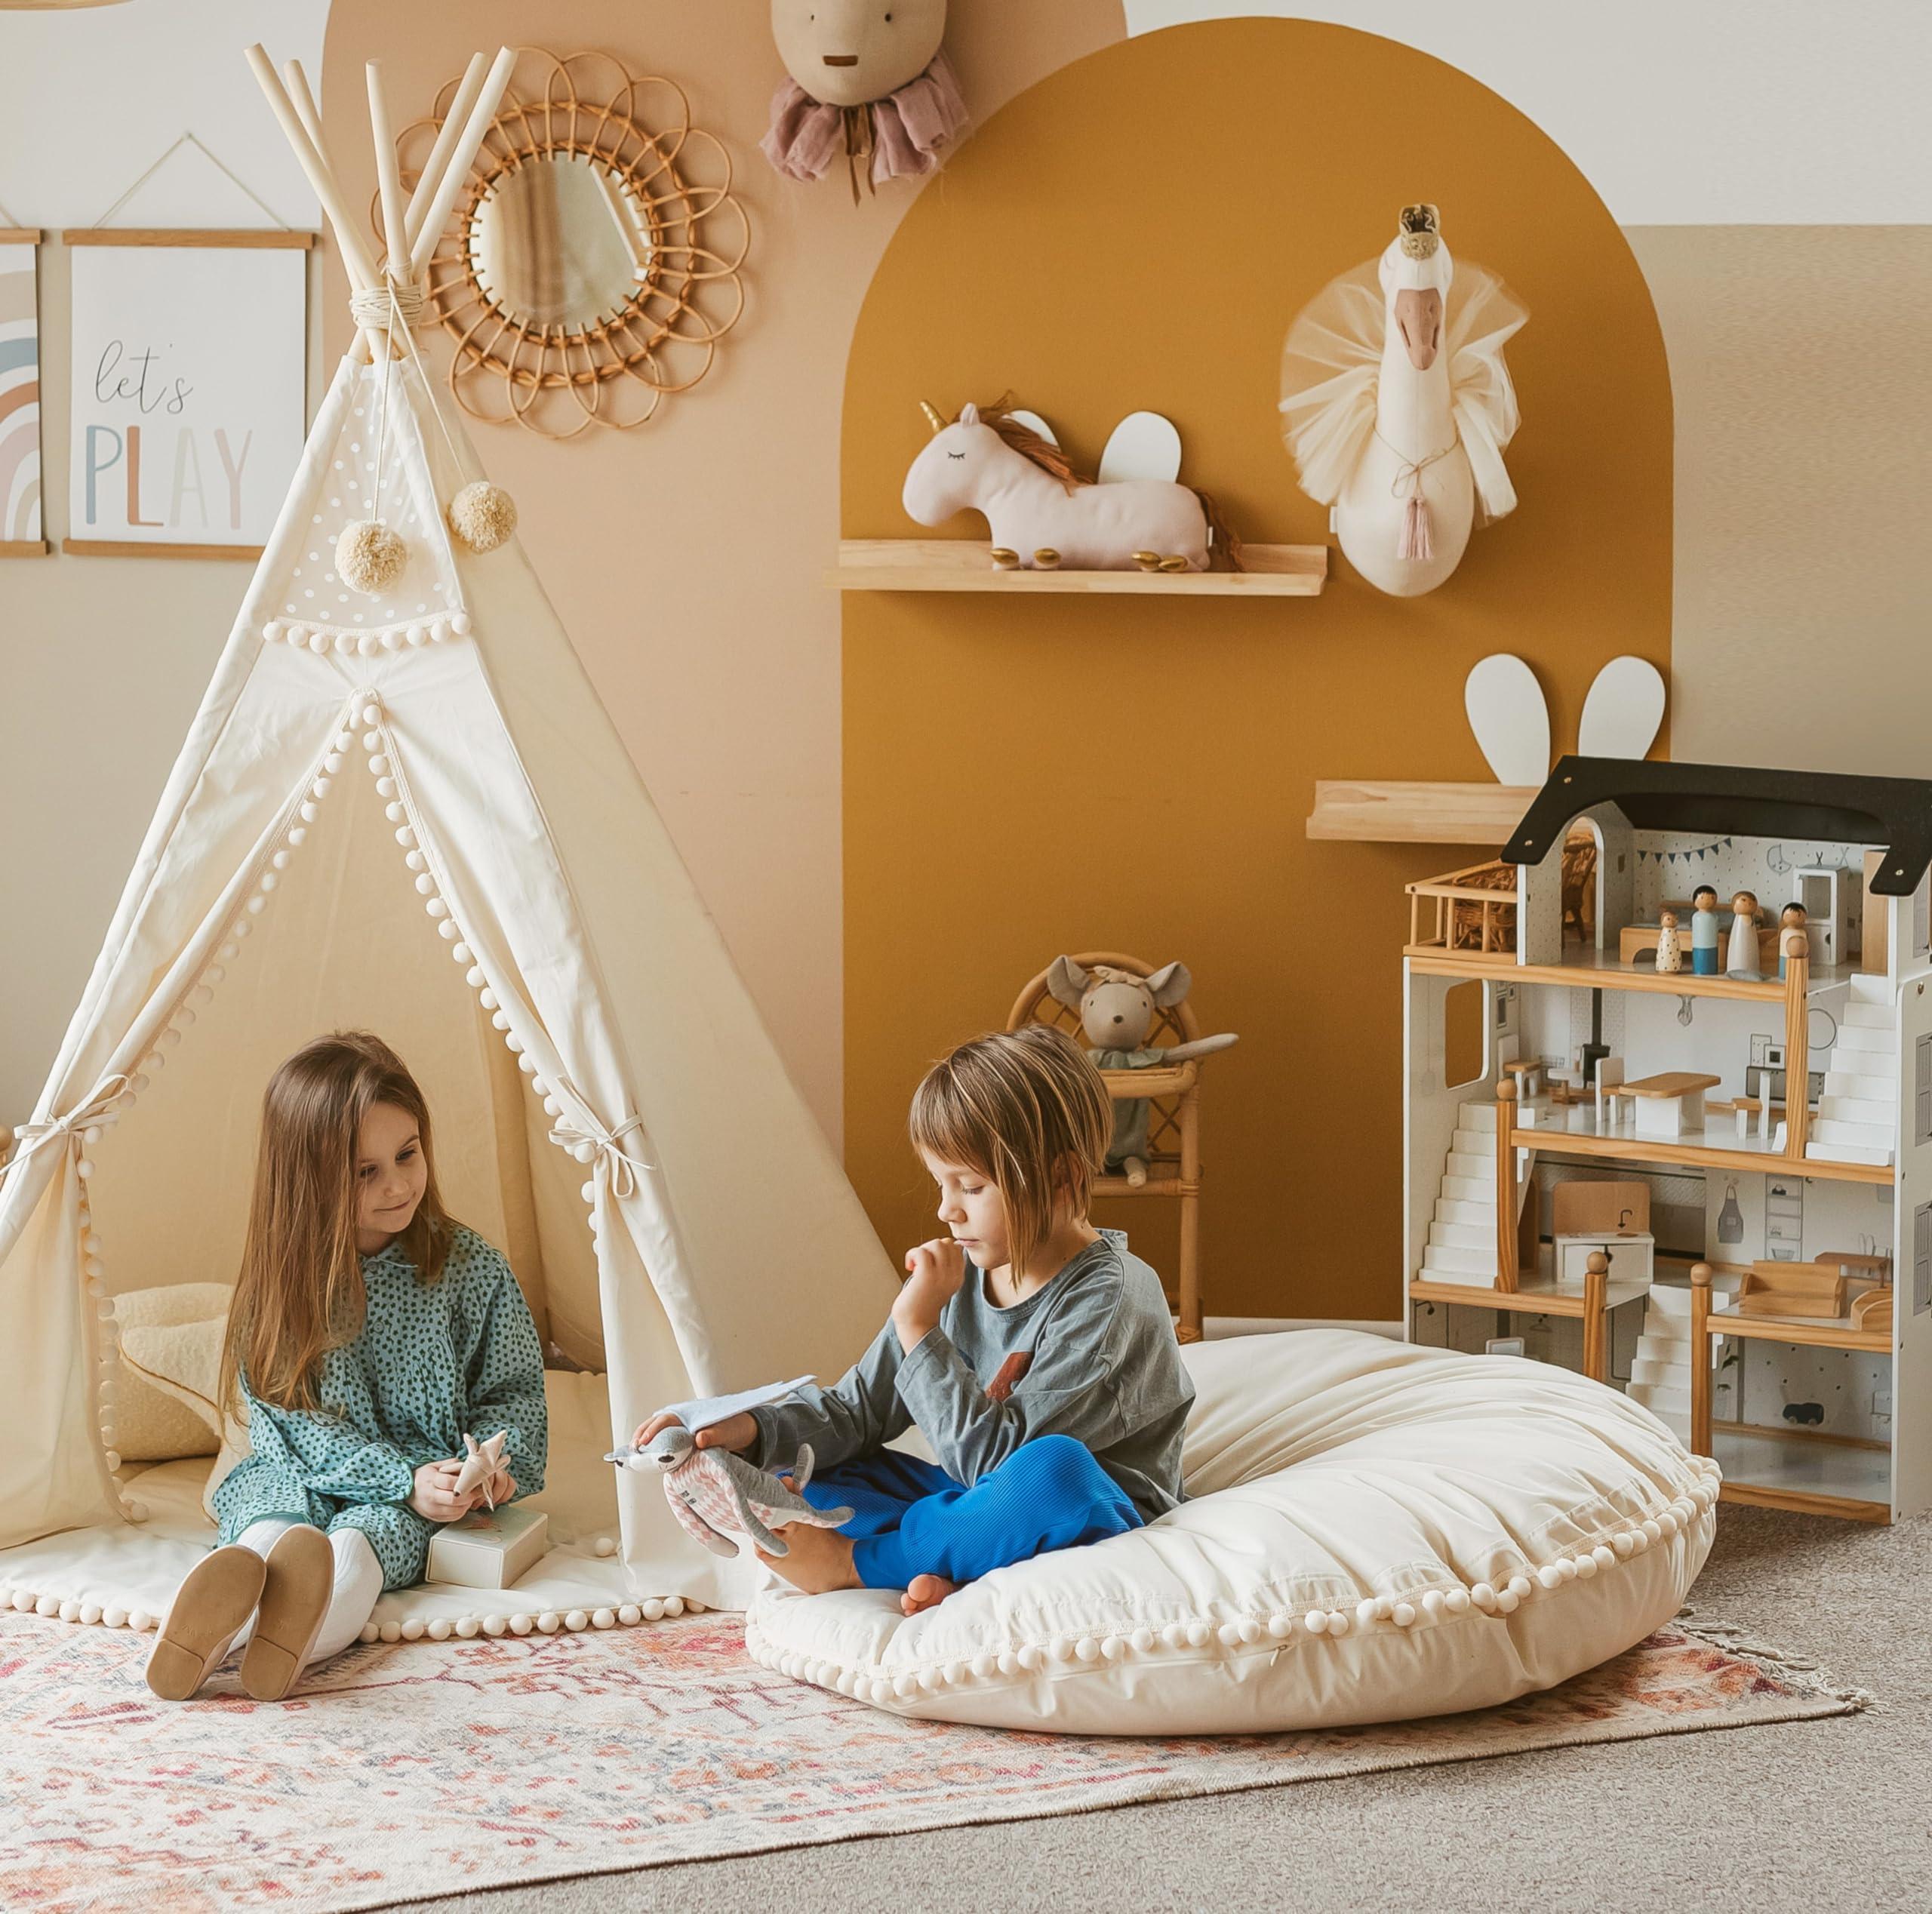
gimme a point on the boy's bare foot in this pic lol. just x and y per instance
(821, 1559)
(927, 1592)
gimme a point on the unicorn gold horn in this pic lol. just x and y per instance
(933, 418)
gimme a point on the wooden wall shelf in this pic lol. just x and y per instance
(962, 565)
(1355, 810)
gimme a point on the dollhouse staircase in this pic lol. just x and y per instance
(1858, 1112)
(1462, 1236)
(1660, 1372)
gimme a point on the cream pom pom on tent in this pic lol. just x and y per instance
(408, 812)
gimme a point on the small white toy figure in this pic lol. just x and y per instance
(482, 1463)
(1741, 960)
(1116, 1012)
(1670, 944)
(1704, 931)
(1792, 918)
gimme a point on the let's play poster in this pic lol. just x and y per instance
(188, 392)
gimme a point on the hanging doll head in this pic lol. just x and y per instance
(869, 79)
(846, 53)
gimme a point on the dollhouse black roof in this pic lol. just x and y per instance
(1739, 800)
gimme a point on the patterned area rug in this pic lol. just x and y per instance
(425, 1769)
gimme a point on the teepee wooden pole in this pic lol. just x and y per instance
(461, 153)
(388, 179)
(303, 101)
(355, 255)
(453, 122)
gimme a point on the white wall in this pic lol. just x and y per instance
(1684, 113)
(89, 99)
(102, 661)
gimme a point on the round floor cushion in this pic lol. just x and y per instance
(1374, 1532)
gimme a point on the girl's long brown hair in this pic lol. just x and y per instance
(1029, 1112)
(300, 1292)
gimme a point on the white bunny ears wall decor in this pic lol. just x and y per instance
(1510, 716)
(1397, 404)
(867, 77)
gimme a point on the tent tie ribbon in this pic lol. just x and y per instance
(585, 1137)
(97, 1109)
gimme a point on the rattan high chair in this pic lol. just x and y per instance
(1174, 1117)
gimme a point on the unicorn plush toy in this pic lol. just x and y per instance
(1043, 515)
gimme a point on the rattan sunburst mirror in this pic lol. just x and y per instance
(590, 265)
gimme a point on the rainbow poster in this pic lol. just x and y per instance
(19, 399)
(188, 390)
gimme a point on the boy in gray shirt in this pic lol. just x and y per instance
(1034, 1353)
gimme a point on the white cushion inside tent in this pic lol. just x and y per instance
(121, 1570)
(1377, 1531)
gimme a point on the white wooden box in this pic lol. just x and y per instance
(489, 1548)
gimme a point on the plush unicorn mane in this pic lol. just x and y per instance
(1028, 443)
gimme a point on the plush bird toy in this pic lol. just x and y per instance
(715, 1494)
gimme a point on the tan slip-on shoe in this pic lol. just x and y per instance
(216, 1598)
(295, 1597)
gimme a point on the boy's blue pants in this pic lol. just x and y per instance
(911, 1518)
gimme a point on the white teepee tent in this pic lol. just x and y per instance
(375, 785)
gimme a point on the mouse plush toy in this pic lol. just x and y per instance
(1116, 1012)
(714, 1494)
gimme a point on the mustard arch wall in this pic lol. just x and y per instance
(1027, 776)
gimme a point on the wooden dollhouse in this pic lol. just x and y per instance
(1709, 1186)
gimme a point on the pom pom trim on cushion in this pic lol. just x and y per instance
(1413, 1613)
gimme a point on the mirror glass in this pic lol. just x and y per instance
(560, 241)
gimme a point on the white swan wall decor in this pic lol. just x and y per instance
(1397, 404)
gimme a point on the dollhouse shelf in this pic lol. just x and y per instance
(1810, 1332)
(1360, 810)
(1631, 1147)
(964, 564)
(1808, 1471)
(1539, 1295)
(1589, 969)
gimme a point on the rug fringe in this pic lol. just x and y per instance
(1736, 1639)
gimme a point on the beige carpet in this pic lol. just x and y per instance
(1822, 1815)
(407, 1770)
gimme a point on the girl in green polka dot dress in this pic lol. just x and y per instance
(370, 1332)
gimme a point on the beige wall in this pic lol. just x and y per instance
(686, 557)
(1803, 410)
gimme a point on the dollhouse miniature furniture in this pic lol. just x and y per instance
(1173, 1115)
(1475, 907)
(1374, 1532)
(1670, 1105)
(1797, 1167)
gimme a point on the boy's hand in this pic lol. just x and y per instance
(737, 1432)
(934, 1272)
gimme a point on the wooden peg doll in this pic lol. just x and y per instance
(1670, 944)
(1741, 960)
(1704, 931)
(1792, 918)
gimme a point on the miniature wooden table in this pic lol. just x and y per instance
(1669, 1106)
(1527, 1070)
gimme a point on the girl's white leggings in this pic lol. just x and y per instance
(359, 1583)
